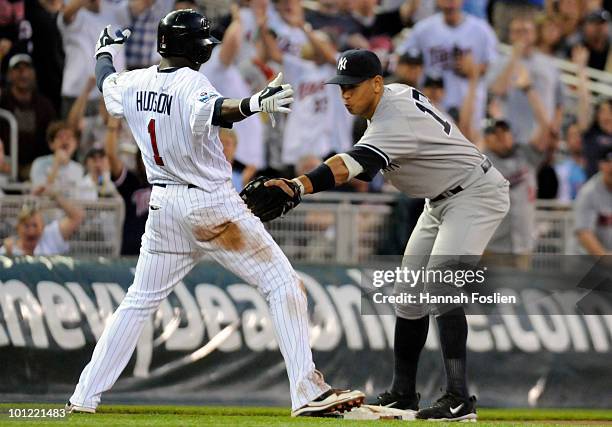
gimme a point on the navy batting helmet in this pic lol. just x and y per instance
(185, 33)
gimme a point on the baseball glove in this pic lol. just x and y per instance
(269, 203)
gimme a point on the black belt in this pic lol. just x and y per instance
(164, 185)
(486, 165)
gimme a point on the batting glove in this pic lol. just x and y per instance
(273, 99)
(110, 45)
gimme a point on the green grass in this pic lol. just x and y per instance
(126, 415)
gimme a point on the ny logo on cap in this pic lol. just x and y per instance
(342, 63)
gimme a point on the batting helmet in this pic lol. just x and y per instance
(185, 33)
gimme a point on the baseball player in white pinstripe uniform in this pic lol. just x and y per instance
(175, 114)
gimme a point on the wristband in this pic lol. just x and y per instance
(245, 108)
(322, 178)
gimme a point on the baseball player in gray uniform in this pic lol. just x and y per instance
(423, 155)
(175, 115)
(593, 210)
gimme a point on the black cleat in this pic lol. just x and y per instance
(390, 399)
(450, 407)
(331, 403)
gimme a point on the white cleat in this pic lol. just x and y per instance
(75, 409)
(332, 401)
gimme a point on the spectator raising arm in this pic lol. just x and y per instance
(270, 49)
(77, 111)
(71, 9)
(73, 219)
(503, 82)
(466, 112)
(580, 57)
(322, 47)
(232, 39)
(110, 147)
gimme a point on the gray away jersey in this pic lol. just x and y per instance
(593, 210)
(170, 115)
(424, 154)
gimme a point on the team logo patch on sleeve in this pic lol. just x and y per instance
(206, 96)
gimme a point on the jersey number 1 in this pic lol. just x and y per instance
(416, 95)
(156, 156)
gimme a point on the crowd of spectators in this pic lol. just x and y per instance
(513, 106)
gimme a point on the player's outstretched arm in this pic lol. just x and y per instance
(335, 171)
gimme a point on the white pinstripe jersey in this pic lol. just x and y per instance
(170, 115)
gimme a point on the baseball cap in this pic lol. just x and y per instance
(606, 154)
(434, 81)
(411, 56)
(493, 125)
(94, 152)
(19, 59)
(600, 16)
(355, 66)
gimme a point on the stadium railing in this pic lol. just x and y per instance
(335, 228)
(98, 236)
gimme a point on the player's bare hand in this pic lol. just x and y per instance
(282, 184)
(523, 78)
(580, 56)
(61, 157)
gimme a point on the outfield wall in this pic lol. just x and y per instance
(212, 341)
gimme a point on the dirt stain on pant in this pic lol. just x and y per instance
(226, 235)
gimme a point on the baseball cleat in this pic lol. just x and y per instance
(74, 409)
(391, 399)
(450, 407)
(331, 403)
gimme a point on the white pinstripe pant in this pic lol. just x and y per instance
(183, 225)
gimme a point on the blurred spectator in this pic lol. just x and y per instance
(32, 110)
(571, 170)
(225, 76)
(477, 8)
(36, 238)
(287, 22)
(452, 42)
(229, 141)
(57, 172)
(549, 39)
(593, 210)
(98, 172)
(544, 77)
(133, 188)
(504, 11)
(518, 163)
(339, 24)
(141, 47)
(595, 36)
(409, 69)
(15, 30)
(375, 22)
(80, 23)
(569, 14)
(310, 126)
(433, 88)
(598, 136)
(47, 51)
